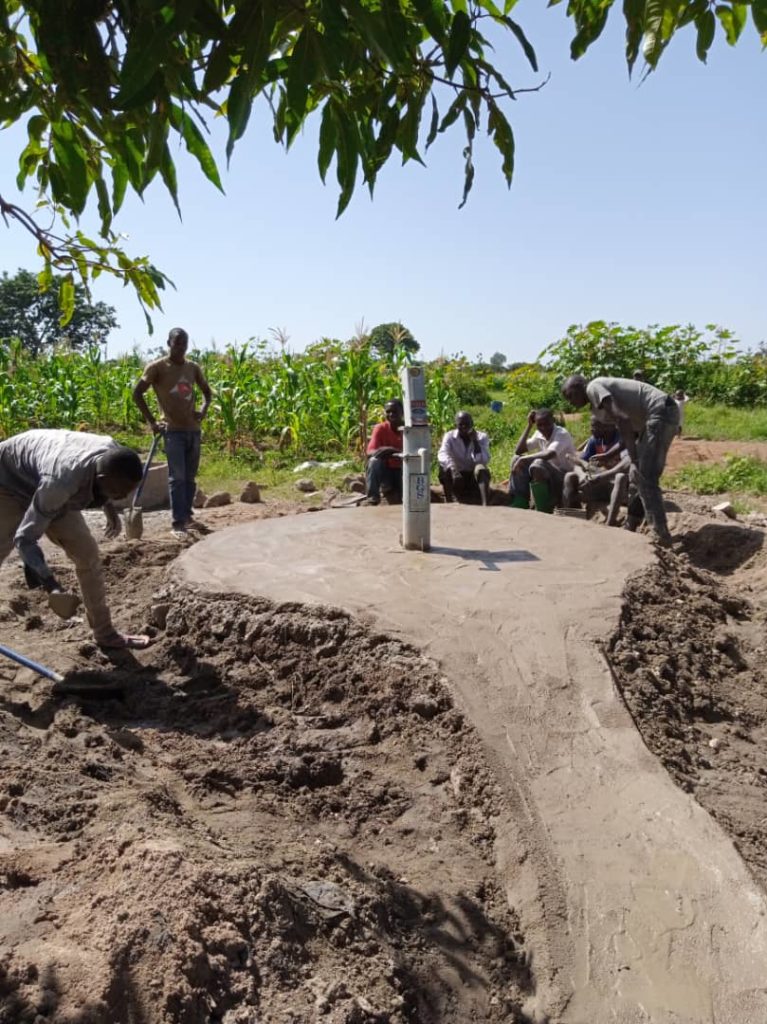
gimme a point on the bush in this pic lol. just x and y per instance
(739, 473)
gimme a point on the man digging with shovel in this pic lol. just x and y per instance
(46, 478)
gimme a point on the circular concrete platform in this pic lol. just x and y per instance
(637, 906)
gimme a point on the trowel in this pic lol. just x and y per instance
(134, 520)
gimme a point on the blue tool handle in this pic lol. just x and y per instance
(28, 663)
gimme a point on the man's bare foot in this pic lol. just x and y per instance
(124, 642)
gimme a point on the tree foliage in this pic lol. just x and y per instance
(498, 360)
(33, 316)
(386, 339)
(107, 87)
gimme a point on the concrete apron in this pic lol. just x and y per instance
(635, 904)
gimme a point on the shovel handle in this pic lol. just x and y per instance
(145, 474)
(20, 659)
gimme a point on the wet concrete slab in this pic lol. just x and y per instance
(637, 906)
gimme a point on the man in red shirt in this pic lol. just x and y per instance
(384, 470)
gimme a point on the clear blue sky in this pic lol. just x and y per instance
(636, 203)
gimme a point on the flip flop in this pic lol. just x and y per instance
(123, 642)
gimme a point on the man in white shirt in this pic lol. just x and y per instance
(463, 460)
(540, 462)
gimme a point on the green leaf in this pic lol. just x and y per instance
(45, 277)
(706, 25)
(434, 126)
(732, 19)
(218, 68)
(66, 299)
(468, 180)
(503, 137)
(432, 13)
(347, 159)
(71, 160)
(238, 107)
(523, 42)
(454, 111)
(407, 134)
(196, 145)
(327, 140)
(149, 49)
(759, 18)
(105, 208)
(652, 46)
(458, 43)
(168, 173)
(119, 184)
(301, 72)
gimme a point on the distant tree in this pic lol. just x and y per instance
(498, 360)
(385, 338)
(33, 316)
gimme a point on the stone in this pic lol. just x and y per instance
(251, 493)
(200, 497)
(158, 614)
(425, 706)
(306, 485)
(726, 508)
(218, 499)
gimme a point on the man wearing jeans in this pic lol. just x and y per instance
(648, 420)
(174, 379)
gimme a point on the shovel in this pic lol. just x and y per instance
(134, 520)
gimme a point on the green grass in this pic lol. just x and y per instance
(741, 474)
(725, 423)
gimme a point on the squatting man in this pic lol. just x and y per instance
(47, 477)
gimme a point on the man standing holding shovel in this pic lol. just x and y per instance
(173, 379)
(46, 478)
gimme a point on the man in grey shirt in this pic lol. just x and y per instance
(46, 478)
(647, 420)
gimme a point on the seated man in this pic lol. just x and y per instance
(540, 462)
(463, 460)
(384, 469)
(599, 486)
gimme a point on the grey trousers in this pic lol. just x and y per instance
(652, 448)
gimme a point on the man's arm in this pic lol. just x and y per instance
(522, 443)
(481, 450)
(47, 502)
(207, 395)
(138, 397)
(444, 455)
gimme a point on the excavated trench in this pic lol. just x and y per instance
(279, 816)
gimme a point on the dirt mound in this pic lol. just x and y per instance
(282, 817)
(689, 659)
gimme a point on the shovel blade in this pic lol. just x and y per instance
(64, 605)
(134, 524)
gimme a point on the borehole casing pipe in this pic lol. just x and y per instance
(416, 462)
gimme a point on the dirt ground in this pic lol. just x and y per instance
(691, 449)
(274, 815)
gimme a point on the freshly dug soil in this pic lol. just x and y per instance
(689, 657)
(279, 817)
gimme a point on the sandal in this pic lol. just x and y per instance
(124, 642)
